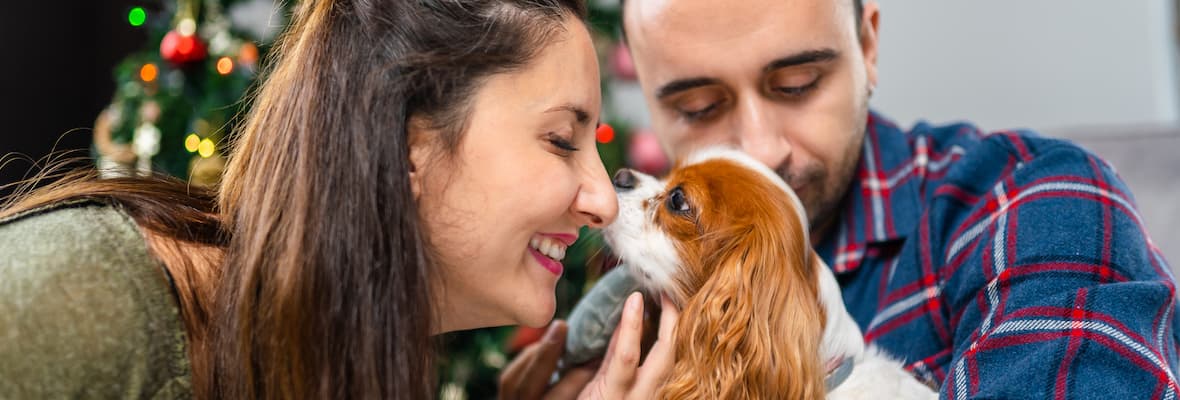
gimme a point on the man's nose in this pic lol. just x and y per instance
(761, 135)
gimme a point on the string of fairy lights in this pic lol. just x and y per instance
(175, 99)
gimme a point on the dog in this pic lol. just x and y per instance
(761, 315)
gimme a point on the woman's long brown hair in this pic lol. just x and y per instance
(323, 281)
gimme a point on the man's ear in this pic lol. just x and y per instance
(868, 38)
(421, 141)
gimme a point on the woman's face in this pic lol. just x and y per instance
(502, 211)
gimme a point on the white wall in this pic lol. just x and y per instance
(1046, 64)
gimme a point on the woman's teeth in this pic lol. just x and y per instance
(549, 247)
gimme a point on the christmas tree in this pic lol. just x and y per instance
(177, 100)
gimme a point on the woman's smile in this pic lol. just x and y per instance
(549, 250)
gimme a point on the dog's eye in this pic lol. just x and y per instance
(676, 201)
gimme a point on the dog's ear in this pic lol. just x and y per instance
(753, 330)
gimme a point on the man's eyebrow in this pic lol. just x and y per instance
(681, 85)
(580, 114)
(800, 58)
(804, 57)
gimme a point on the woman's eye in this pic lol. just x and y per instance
(561, 143)
(676, 201)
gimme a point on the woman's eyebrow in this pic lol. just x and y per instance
(580, 114)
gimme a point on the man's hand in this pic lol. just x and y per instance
(527, 377)
(620, 375)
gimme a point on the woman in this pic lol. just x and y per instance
(408, 168)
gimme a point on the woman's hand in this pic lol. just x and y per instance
(620, 375)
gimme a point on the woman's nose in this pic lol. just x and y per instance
(596, 205)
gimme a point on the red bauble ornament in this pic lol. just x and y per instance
(181, 49)
(645, 154)
(605, 133)
(621, 64)
(523, 337)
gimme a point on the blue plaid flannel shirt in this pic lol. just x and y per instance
(1004, 266)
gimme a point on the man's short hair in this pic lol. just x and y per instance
(858, 9)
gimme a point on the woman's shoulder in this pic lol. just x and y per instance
(85, 310)
(51, 232)
(68, 239)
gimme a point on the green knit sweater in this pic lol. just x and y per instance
(85, 310)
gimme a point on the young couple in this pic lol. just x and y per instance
(410, 168)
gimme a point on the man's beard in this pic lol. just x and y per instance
(822, 191)
(826, 198)
(823, 210)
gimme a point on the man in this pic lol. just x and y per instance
(1000, 265)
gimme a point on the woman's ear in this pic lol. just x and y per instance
(421, 145)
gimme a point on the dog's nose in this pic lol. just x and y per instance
(624, 180)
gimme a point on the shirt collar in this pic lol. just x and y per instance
(883, 203)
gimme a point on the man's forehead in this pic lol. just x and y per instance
(729, 19)
(711, 37)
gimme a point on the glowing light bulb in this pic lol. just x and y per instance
(192, 143)
(248, 54)
(148, 72)
(205, 149)
(136, 16)
(225, 65)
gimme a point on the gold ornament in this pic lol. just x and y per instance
(115, 159)
(206, 171)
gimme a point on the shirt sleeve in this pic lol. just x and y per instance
(1053, 288)
(85, 312)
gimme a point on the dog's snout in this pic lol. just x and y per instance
(624, 180)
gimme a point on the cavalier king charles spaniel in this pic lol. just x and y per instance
(761, 315)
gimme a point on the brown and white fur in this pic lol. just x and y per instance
(761, 316)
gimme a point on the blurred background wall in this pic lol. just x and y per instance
(1100, 73)
(1044, 64)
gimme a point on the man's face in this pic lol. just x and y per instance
(786, 81)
